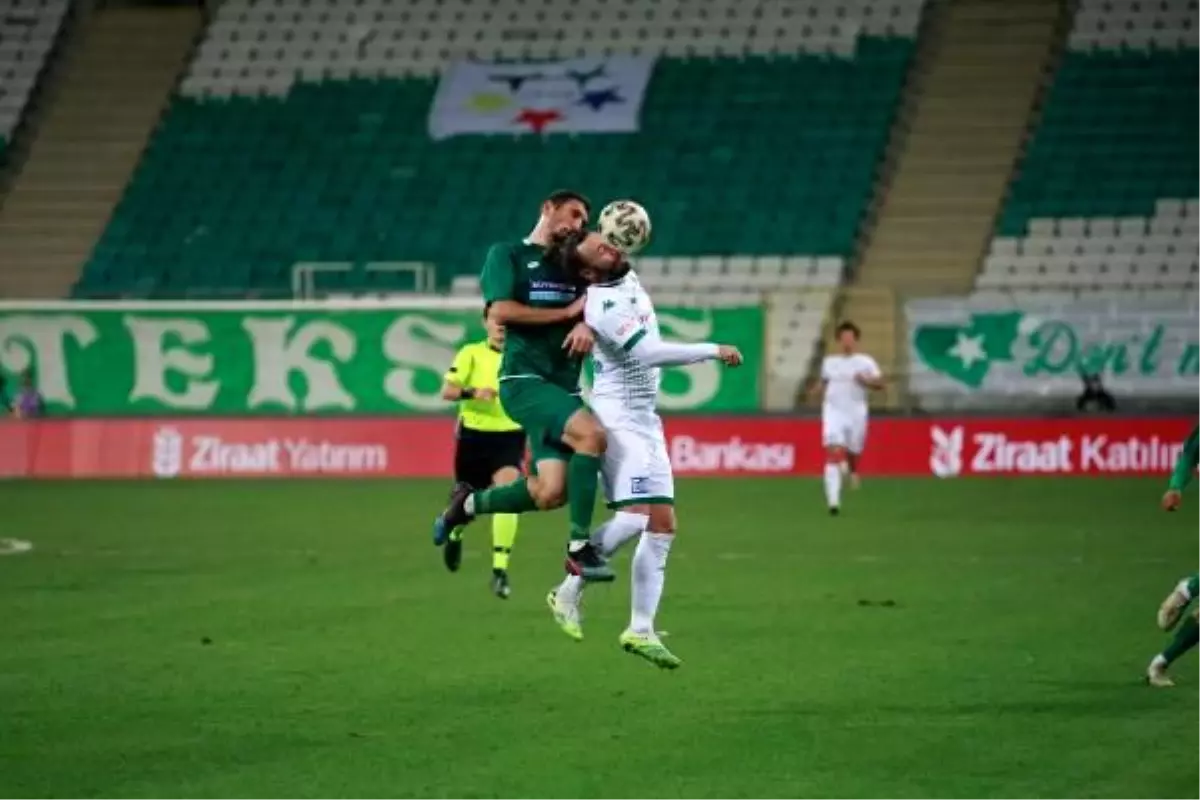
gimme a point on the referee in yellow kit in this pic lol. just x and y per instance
(490, 447)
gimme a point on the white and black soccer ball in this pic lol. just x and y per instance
(624, 225)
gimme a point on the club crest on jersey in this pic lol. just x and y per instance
(608, 305)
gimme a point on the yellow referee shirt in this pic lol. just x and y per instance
(477, 366)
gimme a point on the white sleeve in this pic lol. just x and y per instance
(872, 367)
(651, 351)
(825, 369)
(614, 321)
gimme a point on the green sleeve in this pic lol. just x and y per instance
(497, 278)
(1185, 465)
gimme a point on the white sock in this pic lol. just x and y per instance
(833, 485)
(623, 526)
(608, 538)
(649, 574)
(1159, 662)
(570, 591)
(469, 504)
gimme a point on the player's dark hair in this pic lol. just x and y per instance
(560, 196)
(487, 309)
(849, 326)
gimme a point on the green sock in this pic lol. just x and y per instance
(1193, 586)
(583, 476)
(511, 498)
(1185, 639)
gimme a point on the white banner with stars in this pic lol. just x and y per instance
(581, 95)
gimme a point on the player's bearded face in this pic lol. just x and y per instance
(570, 216)
(598, 260)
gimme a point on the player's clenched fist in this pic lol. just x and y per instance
(729, 355)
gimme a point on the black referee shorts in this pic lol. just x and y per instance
(479, 454)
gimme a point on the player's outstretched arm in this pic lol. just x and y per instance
(1185, 466)
(651, 351)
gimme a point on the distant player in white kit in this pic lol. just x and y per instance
(846, 378)
(636, 471)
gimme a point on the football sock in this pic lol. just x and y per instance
(617, 531)
(1185, 639)
(608, 538)
(504, 534)
(649, 574)
(833, 485)
(1192, 586)
(583, 476)
(511, 498)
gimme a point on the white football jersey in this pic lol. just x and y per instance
(621, 314)
(843, 394)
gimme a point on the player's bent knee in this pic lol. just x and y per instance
(662, 519)
(585, 435)
(548, 495)
(835, 455)
(505, 475)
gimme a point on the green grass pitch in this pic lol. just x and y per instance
(941, 638)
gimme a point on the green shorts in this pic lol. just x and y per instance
(542, 409)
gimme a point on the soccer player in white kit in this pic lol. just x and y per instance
(846, 377)
(636, 470)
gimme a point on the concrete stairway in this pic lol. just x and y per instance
(979, 70)
(115, 83)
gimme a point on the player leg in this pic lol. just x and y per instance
(1185, 638)
(655, 497)
(539, 491)
(471, 461)
(565, 600)
(857, 441)
(833, 437)
(583, 435)
(504, 536)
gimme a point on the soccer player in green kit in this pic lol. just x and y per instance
(1173, 608)
(540, 303)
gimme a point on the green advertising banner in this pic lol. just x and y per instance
(272, 358)
(980, 347)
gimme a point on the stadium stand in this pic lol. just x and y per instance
(28, 31)
(1104, 199)
(299, 137)
(975, 78)
(228, 197)
(112, 78)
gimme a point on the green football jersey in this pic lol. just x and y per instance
(514, 271)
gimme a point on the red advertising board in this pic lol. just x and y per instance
(723, 446)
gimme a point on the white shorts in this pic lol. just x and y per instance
(637, 466)
(846, 430)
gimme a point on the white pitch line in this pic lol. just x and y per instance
(13, 547)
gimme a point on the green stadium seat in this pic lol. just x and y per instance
(1105, 196)
(255, 168)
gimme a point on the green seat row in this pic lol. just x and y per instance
(734, 156)
(1117, 133)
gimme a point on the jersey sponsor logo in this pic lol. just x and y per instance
(608, 305)
(626, 327)
(552, 297)
(638, 485)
